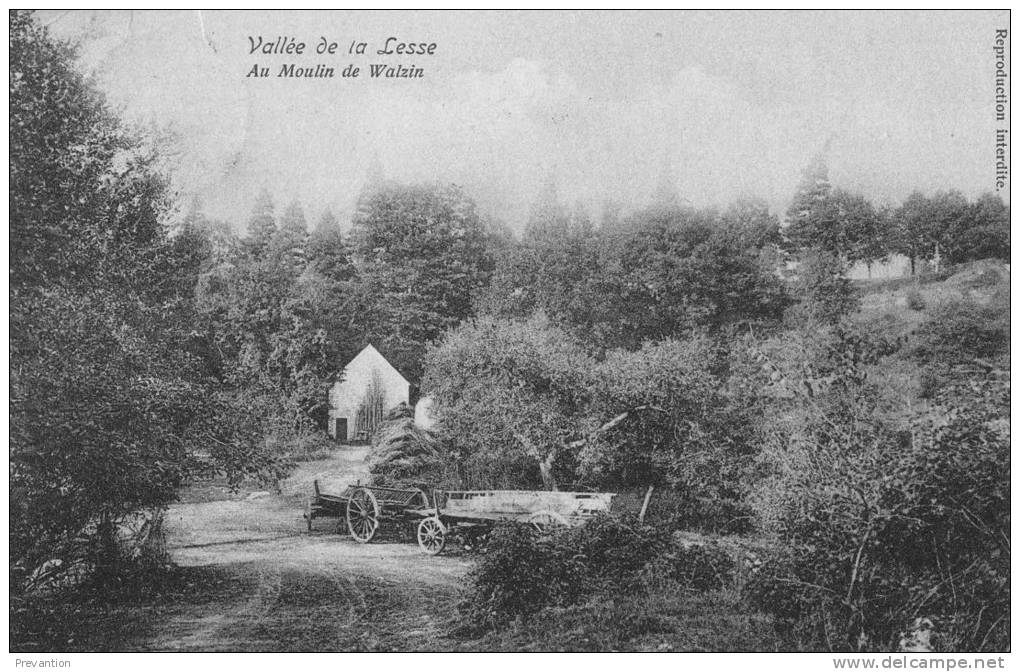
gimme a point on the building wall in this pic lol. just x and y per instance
(897, 266)
(346, 396)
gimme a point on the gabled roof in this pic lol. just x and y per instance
(374, 357)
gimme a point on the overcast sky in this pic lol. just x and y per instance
(735, 102)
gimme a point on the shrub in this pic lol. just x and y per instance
(826, 295)
(697, 567)
(961, 330)
(403, 452)
(521, 572)
(885, 527)
(960, 335)
(914, 300)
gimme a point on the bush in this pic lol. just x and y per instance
(403, 452)
(961, 330)
(914, 300)
(826, 295)
(521, 572)
(887, 527)
(697, 567)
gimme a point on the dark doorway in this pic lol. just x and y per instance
(341, 429)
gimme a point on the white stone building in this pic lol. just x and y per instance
(369, 387)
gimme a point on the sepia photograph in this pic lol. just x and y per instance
(518, 331)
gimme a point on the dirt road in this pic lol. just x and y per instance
(272, 585)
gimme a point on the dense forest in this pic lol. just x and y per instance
(152, 346)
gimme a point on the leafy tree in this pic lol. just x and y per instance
(508, 396)
(864, 232)
(844, 224)
(982, 234)
(915, 235)
(750, 217)
(108, 400)
(948, 226)
(421, 257)
(677, 271)
(521, 403)
(555, 269)
(950, 214)
(670, 417)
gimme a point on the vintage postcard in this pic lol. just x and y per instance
(510, 331)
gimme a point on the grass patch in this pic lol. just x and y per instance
(665, 620)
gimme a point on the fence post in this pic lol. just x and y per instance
(644, 505)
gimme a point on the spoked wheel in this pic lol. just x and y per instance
(362, 515)
(431, 535)
(546, 521)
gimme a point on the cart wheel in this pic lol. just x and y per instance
(362, 515)
(431, 535)
(546, 521)
(308, 513)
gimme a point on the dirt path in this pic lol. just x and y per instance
(270, 585)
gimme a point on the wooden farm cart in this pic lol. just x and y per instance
(488, 507)
(365, 507)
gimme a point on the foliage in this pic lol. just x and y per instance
(963, 330)
(676, 271)
(683, 428)
(946, 224)
(887, 523)
(109, 399)
(261, 226)
(845, 225)
(669, 619)
(914, 300)
(328, 253)
(508, 395)
(808, 201)
(404, 453)
(962, 336)
(522, 405)
(826, 295)
(421, 257)
(521, 572)
(556, 269)
(696, 567)
(664, 272)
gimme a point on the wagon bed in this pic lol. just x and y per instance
(510, 505)
(541, 509)
(366, 506)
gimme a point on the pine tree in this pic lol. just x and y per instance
(328, 254)
(808, 203)
(261, 225)
(289, 242)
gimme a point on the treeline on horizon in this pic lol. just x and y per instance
(609, 280)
